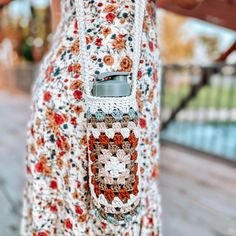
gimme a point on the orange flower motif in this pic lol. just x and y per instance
(119, 43)
(83, 141)
(106, 31)
(66, 179)
(118, 139)
(43, 159)
(109, 194)
(134, 156)
(75, 195)
(153, 151)
(126, 64)
(76, 84)
(155, 171)
(151, 95)
(155, 112)
(110, 8)
(74, 68)
(133, 140)
(40, 142)
(124, 195)
(32, 149)
(75, 47)
(139, 100)
(47, 170)
(108, 60)
(78, 109)
(66, 146)
(82, 218)
(142, 170)
(89, 39)
(50, 114)
(145, 25)
(59, 162)
(103, 139)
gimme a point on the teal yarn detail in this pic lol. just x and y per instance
(117, 114)
(112, 220)
(128, 218)
(100, 115)
(132, 113)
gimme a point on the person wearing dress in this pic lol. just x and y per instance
(56, 199)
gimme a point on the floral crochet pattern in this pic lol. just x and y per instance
(57, 199)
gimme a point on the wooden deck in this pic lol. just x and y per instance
(198, 193)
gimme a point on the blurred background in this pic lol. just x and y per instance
(198, 111)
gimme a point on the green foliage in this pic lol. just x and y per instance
(26, 51)
(208, 97)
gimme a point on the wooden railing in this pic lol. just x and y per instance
(199, 107)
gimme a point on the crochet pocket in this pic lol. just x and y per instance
(113, 137)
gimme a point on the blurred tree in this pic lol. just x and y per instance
(36, 42)
(175, 46)
(212, 45)
(29, 35)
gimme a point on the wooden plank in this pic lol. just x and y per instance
(185, 216)
(197, 193)
(10, 221)
(13, 122)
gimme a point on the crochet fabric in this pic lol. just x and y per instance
(113, 162)
(57, 196)
(113, 138)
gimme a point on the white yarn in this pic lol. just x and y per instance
(139, 14)
(116, 203)
(110, 133)
(108, 104)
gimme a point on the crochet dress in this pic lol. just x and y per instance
(57, 199)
